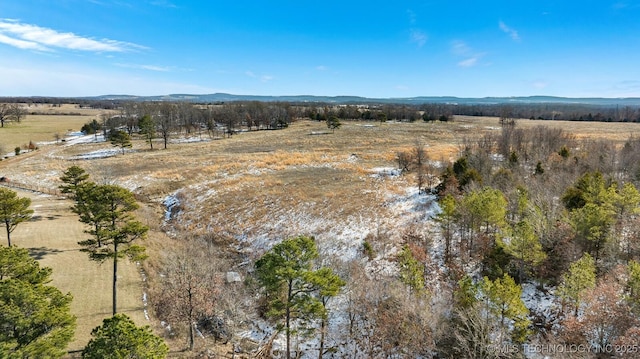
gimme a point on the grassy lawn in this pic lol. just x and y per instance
(51, 237)
(42, 124)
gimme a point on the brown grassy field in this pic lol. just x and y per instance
(52, 237)
(257, 184)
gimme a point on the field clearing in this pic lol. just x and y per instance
(43, 122)
(39, 128)
(304, 163)
(51, 237)
(615, 131)
(257, 186)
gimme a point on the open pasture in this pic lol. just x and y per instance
(45, 123)
(255, 186)
(307, 159)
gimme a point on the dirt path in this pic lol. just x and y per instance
(52, 238)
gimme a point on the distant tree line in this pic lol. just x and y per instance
(162, 120)
(376, 111)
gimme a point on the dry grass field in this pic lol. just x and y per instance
(256, 187)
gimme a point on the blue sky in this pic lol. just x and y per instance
(373, 48)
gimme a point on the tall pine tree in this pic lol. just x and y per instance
(293, 289)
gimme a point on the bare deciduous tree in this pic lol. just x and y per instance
(11, 112)
(189, 286)
(168, 115)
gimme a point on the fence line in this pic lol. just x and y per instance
(31, 188)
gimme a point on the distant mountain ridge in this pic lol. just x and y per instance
(225, 97)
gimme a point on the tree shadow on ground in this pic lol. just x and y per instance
(39, 253)
(40, 218)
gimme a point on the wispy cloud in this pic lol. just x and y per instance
(21, 44)
(412, 17)
(263, 78)
(470, 62)
(33, 37)
(509, 31)
(321, 68)
(461, 49)
(416, 35)
(419, 37)
(145, 67)
(164, 3)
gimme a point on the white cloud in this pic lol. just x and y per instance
(145, 67)
(321, 68)
(33, 37)
(164, 3)
(250, 74)
(468, 62)
(460, 48)
(419, 37)
(511, 32)
(154, 68)
(21, 44)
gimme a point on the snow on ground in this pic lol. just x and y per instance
(189, 139)
(75, 138)
(171, 203)
(337, 236)
(104, 153)
(382, 172)
(541, 302)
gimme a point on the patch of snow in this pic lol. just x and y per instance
(497, 157)
(170, 203)
(233, 277)
(79, 137)
(110, 152)
(191, 139)
(257, 171)
(425, 206)
(541, 302)
(382, 172)
(260, 332)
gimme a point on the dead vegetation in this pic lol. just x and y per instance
(259, 187)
